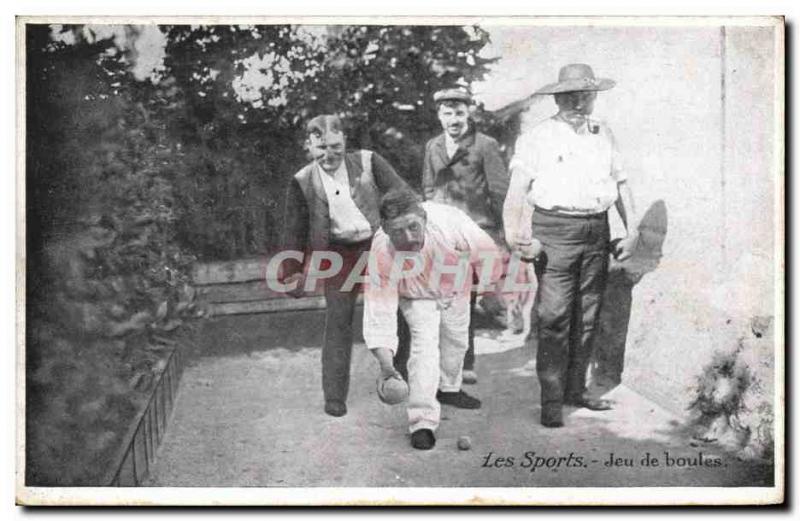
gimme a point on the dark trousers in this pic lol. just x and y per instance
(403, 346)
(572, 273)
(469, 356)
(340, 305)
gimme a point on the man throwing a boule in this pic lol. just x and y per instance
(422, 261)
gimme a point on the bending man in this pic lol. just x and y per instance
(422, 261)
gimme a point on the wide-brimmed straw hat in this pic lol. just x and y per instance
(576, 77)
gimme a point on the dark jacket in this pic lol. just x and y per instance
(307, 216)
(475, 179)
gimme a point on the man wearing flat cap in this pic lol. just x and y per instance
(464, 168)
(566, 174)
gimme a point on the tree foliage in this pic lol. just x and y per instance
(130, 181)
(107, 280)
(246, 143)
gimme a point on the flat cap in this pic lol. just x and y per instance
(456, 94)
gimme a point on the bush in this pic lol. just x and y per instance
(734, 394)
(108, 289)
(130, 182)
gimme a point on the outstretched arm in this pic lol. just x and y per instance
(380, 306)
(385, 360)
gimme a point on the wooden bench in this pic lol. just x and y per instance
(240, 287)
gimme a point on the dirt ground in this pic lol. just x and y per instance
(254, 417)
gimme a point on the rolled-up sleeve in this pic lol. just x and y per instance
(380, 299)
(517, 211)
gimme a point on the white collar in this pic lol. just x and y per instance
(340, 174)
(451, 142)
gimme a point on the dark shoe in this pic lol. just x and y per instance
(335, 408)
(593, 404)
(460, 399)
(551, 417)
(423, 439)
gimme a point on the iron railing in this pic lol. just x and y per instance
(136, 458)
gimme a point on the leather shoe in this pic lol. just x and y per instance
(423, 439)
(593, 404)
(335, 408)
(460, 399)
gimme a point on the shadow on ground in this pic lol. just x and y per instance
(250, 414)
(254, 418)
(244, 334)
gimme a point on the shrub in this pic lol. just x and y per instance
(734, 394)
(107, 283)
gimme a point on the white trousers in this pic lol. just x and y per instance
(439, 339)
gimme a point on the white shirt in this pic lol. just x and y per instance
(348, 223)
(450, 235)
(556, 168)
(450, 145)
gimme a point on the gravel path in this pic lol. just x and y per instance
(256, 420)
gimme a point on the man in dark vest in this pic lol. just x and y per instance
(332, 208)
(464, 168)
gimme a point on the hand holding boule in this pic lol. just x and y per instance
(623, 249)
(531, 251)
(390, 372)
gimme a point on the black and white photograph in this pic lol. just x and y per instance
(406, 261)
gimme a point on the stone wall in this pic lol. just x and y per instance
(696, 114)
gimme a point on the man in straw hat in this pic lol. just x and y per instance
(565, 175)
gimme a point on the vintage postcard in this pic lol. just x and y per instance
(400, 261)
